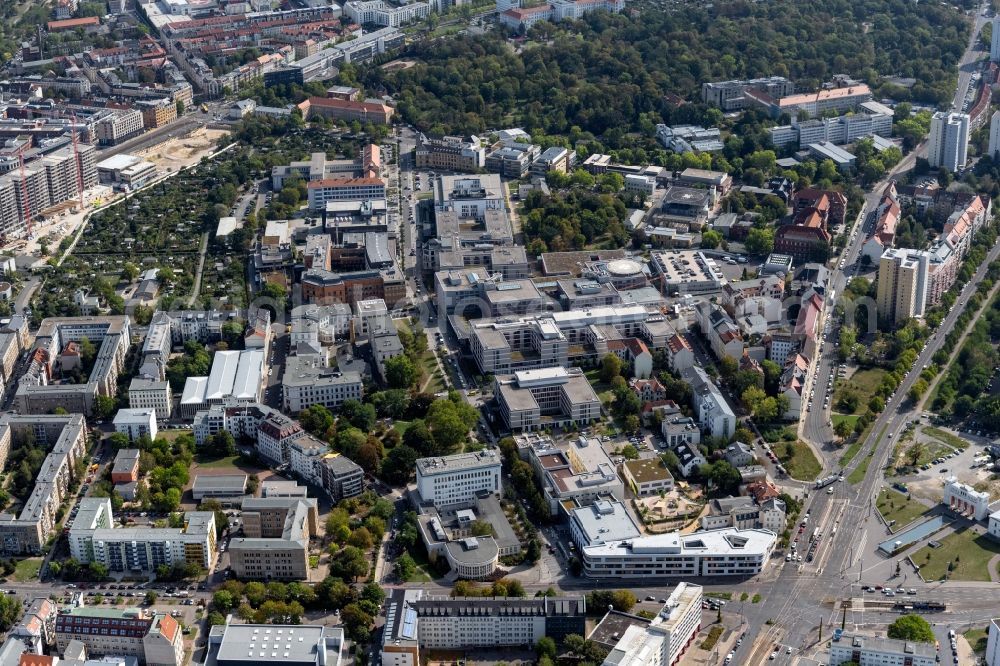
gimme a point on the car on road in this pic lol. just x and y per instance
(774, 655)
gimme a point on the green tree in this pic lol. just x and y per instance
(611, 367)
(10, 611)
(711, 239)
(224, 601)
(760, 242)
(400, 372)
(911, 628)
(405, 567)
(348, 563)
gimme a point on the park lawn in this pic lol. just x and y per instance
(401, 426)
(973, 550)
(946, 437)
(171, 435)
(836, 418)
(977, 639)
(26, 570)
(802, 463)
(896, 506)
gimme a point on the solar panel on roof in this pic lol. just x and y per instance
(409, 624)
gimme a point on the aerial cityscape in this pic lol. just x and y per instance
(499, 332)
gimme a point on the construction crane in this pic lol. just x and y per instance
(53, 113)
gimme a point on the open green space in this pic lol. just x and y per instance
(799, 460)
(775, 434)
(861, 384)
(945, 437)
(236, 462)
(977, 639)
(850, 418)
(725, 596)
(400, 426)
(966, 552)
(171, 435)
(27, 569)
(713, 637)
(894, 505)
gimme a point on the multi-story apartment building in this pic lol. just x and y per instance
(877, 651)
(612, 546)
(948, 143)
(275, 545)
(535, 399)
(141, 550)
(902, 284)
(28, 532)
(153, 639)
(713, 412)
(729, 95)
(134, 423)
(308, 381)
(144, 393)
(457, 479)
(157, 113)
(35, 395)
(666, 638)
(119, 126)
(376, 12)
(450, 153)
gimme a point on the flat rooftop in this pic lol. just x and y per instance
(645, 471)
(457, 462)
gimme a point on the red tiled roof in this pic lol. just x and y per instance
(67, 24)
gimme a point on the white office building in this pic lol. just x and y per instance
(871, 651)
(948, 143)
(994, 133)
(995, 40)
(665, 639)
(612, 546)
(457, 479)
(993, 644)
(136, 422)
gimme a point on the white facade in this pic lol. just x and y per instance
(995, 40)
(136, 422)
(611, 546)
(379, 13)
(666, 637)
(948, 143)
(994, 132)
(456, 479)
(993, 641)
(966, 500)
(871, 651)
(148, 394)
(994, 525)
